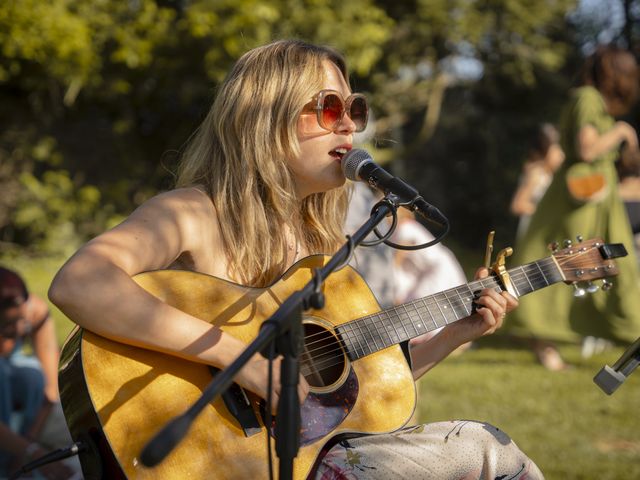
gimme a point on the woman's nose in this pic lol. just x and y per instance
(346, 126)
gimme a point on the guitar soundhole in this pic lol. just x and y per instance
(323, 361)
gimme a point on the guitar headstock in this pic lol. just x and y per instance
(589, 260)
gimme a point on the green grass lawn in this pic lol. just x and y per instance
(562, 420)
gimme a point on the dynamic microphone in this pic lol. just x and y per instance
(358, 165)
(610, 378)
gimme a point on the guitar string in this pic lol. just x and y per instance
(452, 296)
(327, 335)
(321, 360)
(517, 274)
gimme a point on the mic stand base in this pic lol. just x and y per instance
(608, 379)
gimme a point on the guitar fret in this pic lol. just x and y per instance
(403, 322)
(422, 316)
(418, 327)
(466, 301)
(442, 313)
(404, 327)
(391, 334)
(382, 341)
(463, 302)
(543, 275)
(451, 307)
(368, 336)
(360, 338)
(431, 315)
(346, 335)
(526, 276)
(384, 338)
(514, 283)
(406, 311)
(396, 337)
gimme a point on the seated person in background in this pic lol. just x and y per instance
(419, 273)
(28, 386)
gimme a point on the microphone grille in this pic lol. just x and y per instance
(352, 162)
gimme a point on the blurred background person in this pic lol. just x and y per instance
(629, 188)
(591, 139)
(544, 157)
(415, 273)
(373, 263)
(423, 272)
(418, 273)
(31, 420)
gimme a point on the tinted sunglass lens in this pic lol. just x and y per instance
(332, 111)
(359, 112)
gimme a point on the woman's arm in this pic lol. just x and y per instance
(591, 145)
(95, 289)
(45, 346)
(522, 202)
(426, 353)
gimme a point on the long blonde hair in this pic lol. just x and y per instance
(240, 156)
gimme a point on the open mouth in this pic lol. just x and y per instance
(339, 152)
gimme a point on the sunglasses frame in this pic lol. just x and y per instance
(315, 105)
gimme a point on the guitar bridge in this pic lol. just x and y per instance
(238, 404)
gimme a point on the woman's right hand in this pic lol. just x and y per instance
(627, 134)
(255, 377)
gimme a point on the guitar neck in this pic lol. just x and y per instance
(395, 325)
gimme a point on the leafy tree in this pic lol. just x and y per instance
(103, 94)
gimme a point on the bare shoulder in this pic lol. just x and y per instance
(159, 231)
(180, 203)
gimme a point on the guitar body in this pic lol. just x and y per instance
(119, 396)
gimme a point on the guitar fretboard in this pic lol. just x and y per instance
(372, 333)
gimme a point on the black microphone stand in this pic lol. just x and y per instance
(285, 327)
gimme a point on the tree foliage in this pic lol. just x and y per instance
(99, 96)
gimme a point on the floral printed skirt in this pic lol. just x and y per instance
(458, 450)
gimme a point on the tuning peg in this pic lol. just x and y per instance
(606, 285)
(579, 291)
(553, 246)
(592, 287)
(567, 243)
(579, 238)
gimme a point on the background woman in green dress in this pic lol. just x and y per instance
(592, 140)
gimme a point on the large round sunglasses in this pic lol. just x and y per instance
(330, 108)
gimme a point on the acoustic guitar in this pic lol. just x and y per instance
(116, 396)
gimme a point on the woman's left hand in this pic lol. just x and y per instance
(491, 309)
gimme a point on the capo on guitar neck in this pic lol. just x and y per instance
(499, 267)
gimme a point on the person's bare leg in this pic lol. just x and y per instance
(548, 355)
